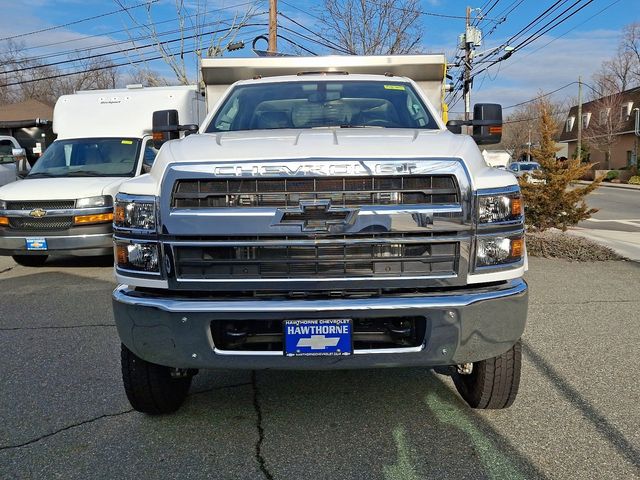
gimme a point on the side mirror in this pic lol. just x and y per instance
(22, 164)
(165, 126)
(455, 126)
(487, 123)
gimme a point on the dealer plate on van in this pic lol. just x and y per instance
(36, 243)
(317, 337)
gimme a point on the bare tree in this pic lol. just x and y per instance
(198, 33)
(602, 133)
(145, 77)
(372, 27)
(23, 78)
(622, 71)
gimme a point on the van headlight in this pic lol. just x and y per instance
(99, 201)
(138, 257)
(135, 213)
(497, 207)
(499, 250)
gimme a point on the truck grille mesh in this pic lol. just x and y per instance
(37, 224)
(341, 191)
(44, 204)
(295, 261)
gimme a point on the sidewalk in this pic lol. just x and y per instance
(626, 244)
(611, 185)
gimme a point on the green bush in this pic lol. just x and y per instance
(635, 180)
(612, 175)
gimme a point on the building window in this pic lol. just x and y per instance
(629, 158)
(570, 122)
(625, 111)
(586, 117)
(604, 116)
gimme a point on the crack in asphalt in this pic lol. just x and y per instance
(256, 405)
(108, 415)
(58, 328)
(6, 270)
(60, 430)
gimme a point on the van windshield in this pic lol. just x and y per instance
(88, 157)
(317, 104)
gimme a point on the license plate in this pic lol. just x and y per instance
(36, 243)
(317, 337)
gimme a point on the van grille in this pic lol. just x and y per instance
(41, 224)
(341, 191)
(44, 204)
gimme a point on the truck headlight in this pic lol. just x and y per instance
(141, 257)
(506, 207)
(499, 250)
(99, 201)
(135, 213)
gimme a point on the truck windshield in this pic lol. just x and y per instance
(88, 157)
(316, 104)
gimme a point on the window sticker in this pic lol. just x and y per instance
(394, 87)
(127, 142)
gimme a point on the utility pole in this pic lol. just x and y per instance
(273, 27)
(467, 67)
(579, 146)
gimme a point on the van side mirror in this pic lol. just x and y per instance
(22, 164)
(165, 126)
(487, 123)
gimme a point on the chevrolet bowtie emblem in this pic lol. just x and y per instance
(318, 216)
(37, 213)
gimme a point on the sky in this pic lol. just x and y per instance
(576, 47)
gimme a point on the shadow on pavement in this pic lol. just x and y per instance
(571, 395)
(78, 262)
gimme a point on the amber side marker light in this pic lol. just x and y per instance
(122, 255)
(517, 247)
(495, 130)
(516, 206)
(119, 214)
(4, 220)
(97, 218)
(157, 136)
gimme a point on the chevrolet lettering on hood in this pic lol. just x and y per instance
(314, 169)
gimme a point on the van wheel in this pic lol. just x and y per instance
(30, 260)
(492, 383)
(151, 388)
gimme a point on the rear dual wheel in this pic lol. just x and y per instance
(492, 383)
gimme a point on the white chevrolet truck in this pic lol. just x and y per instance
(325, 217)
(64, 206)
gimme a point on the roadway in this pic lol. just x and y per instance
(617, 222)
(63, 412)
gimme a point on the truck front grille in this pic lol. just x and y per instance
(44, 204)
(341, 191)
(368, 334)
(294, 260)
(41, 224)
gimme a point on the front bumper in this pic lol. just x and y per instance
(77, 241)
(462, 326)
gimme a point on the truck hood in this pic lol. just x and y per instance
(60, 188)
(322, 143)
(317, 143)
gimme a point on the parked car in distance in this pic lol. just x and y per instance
(524, 170)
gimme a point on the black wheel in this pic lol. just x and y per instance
(152, 388)
(30, 260)
(492, 383)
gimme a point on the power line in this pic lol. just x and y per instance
(103, 67)
(123, 30)
(130, 41)
(326, 43)
(75, 22)
(297, 45)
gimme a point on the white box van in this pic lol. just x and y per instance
(65, 204)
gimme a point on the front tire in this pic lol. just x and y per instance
(30, 260)
(493, 383)
(151, 388)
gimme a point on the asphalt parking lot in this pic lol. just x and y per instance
(63, 412)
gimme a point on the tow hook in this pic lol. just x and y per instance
(465, 368)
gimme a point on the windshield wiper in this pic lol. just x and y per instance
(41, 174)
(347, 125)
(84, 173)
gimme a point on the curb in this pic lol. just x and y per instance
(611, 185)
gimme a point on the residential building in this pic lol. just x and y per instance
(608, 125)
